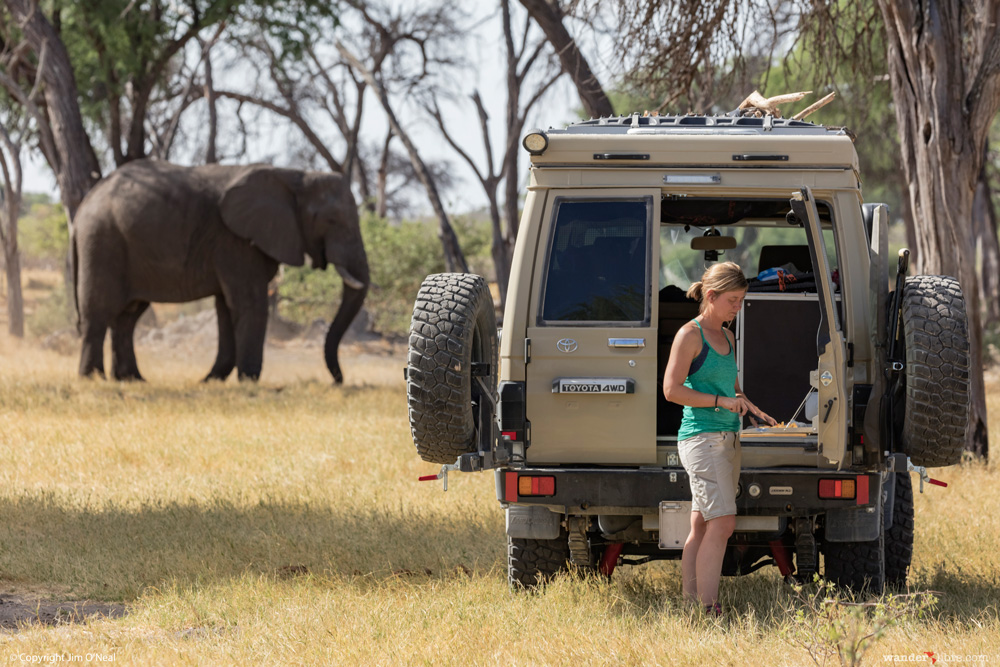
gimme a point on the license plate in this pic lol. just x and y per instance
(593, 386)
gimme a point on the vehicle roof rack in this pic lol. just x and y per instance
(649, 124)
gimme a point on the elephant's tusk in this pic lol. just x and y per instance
(350, 280)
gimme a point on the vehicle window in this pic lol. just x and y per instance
(596, 269)
(760, 245)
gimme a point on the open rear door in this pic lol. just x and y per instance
(830, 345)
(877, 317)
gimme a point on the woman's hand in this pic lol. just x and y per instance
(741, 405)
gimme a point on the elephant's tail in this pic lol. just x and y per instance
(74, 264)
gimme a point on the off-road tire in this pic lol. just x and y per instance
(899, 536)
(453, 326)
(532, 562)
(935, 398)
(856, 566)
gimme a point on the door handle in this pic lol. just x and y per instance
(627, 343)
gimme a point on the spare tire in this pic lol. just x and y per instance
(453, 327)
(932, 404)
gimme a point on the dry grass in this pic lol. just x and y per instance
(281, 523)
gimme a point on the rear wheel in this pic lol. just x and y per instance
(857, 566)
(532, 562)
(899, 536)
(932, 404)
(453, 331)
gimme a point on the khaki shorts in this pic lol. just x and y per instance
(712, 462)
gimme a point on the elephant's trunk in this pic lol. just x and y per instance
(355, 290)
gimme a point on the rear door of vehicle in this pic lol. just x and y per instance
(591, 376)
(830, 345)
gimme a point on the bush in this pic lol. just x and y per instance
(399, 256)
(50, 314)
(43, 236)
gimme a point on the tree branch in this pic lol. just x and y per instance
(294, 117)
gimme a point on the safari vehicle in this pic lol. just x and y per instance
(621, 215)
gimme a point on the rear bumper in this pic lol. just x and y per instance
(783, 491)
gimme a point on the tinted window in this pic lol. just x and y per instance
(596, 269)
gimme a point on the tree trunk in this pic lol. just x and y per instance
(77, 168)
(15, 297)
(549, 17)
(945, 97)
(382, 179)
(989, 267)
(211, 155)
(11, 254)
(10, 198)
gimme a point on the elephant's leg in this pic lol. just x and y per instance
(92, 349)
(250, 325)
(244, 276)
(123, 363)
(225, 359)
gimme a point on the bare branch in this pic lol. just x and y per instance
(44, 129)
(435, 112)
(294, 117)
(454, 258)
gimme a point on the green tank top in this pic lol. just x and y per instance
(710, 373)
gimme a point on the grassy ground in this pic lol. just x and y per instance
(281, 523)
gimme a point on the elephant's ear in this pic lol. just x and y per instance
(257, 206)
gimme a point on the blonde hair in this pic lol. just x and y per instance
(719, 278)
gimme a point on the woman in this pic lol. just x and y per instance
(701, 375)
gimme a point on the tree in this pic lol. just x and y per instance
(985, 217)
(944, 64)
(424, 33)
(54, 105)
(10, 209)
(943, 59)
(127, 55)
(521, 58)
(549, 14)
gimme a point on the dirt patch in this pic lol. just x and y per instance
(17, 612)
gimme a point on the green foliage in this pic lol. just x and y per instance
(42, 233)
(305, 295)
(49, 315)
(827, 624)
(113, 50)
(293, 25)
(475, 235)
(400, 256)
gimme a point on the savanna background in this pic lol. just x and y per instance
(175, 522)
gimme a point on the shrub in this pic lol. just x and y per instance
(400, 255)
(50, 314)
(43, 236)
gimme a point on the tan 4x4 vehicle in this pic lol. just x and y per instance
(621, 215)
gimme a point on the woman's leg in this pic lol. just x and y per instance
(708, 564)
(690, 556)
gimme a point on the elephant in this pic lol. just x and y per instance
(156, 231)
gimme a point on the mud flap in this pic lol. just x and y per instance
(855, 524)
(528, 522)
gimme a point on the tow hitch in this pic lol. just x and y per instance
(442, 475)
(924, 477)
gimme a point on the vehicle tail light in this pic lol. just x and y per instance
(529, 485)
(837, 488)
